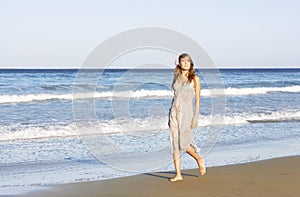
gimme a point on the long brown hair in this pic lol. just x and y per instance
(178, 71)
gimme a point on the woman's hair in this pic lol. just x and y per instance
(178, 71)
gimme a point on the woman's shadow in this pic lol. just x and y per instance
(158, 174)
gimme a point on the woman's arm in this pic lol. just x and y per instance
(197, 102)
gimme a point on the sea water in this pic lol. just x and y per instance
(42, 141)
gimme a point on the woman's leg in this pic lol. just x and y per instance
(177, 162)
(199, 160)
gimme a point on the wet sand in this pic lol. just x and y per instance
(274, 177)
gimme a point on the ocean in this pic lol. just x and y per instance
(55, 129)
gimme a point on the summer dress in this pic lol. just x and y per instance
(181, 115)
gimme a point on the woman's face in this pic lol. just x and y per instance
(185, 62)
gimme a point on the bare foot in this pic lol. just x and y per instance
(201, 166)
(176, 178)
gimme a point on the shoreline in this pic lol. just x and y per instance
(271, 177)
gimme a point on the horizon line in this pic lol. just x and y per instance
(144, 68)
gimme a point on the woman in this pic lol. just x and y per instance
(182, 120)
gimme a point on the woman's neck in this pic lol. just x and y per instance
(184, 73)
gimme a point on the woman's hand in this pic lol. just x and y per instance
(194, 122)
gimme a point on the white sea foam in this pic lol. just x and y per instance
(142, 94)
(260, 90)
(20, 132)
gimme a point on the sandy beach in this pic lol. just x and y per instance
(273, 177)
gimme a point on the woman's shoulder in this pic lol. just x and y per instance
(197, 78)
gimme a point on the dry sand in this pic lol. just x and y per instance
(274, 177)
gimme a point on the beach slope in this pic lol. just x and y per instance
(273, 177)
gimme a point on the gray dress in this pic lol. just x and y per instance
(181, 115)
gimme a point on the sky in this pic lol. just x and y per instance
(236, 34)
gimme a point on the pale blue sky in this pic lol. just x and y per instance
(60, 34)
